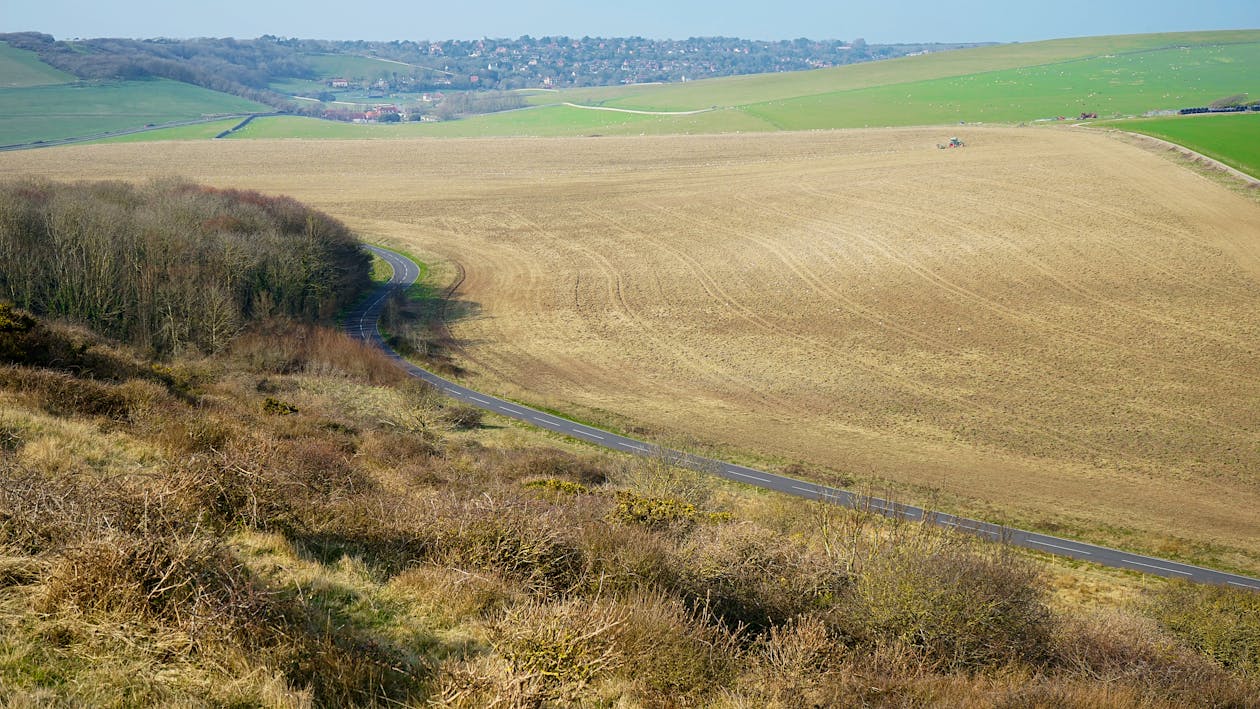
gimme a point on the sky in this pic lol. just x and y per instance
(889, 21)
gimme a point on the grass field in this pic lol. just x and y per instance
(1232, 138)
(327, 66)
(1119, 85)
(20, 68)
(69, 110)
(760, 88)
(200, 131)
(1050, 327)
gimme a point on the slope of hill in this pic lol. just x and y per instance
(20, 68)
(1112, 76)
(44, 113)
(737, 91)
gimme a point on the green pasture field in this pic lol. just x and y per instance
(296, 87)
(1113, 86)
(20, 68)
(1232, 138)
(327, 66)
(351, 67)
(80, 109)
(200, 131)
(760, 88)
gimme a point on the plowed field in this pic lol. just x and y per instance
(1048, 326)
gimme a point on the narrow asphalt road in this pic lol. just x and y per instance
(362, 323)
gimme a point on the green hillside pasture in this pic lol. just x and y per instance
(200, 131)
(544, 121)
(299, 87)
(759, 88)
(20, 68)
(327, 66)
(1117, 85)
(1232, 138)
(347, 66)
(70, 110)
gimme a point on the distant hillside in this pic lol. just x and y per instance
(432, 83)
(308, 76)
(20, 69)
(1110, 76)
(737, 91)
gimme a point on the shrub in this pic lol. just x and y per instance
(533, 546)
(65, 395)
(563, 646)
(661, 513)
(1116, 647)
(280, 346)
(958, 606)
(676, 655)
(752, 578)
(275, 407)
(1221, 623)
(462, 416)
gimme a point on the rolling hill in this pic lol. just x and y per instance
(1113, 76)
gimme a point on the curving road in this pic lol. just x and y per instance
(362, 324)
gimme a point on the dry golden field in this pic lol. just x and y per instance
(1049, 327)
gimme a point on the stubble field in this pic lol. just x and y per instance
(1048, 327)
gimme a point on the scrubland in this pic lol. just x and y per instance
(291, 523)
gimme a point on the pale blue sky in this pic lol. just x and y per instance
(889, 21)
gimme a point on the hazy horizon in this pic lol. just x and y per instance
(912, 21)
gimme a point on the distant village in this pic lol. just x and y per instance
(562, 62)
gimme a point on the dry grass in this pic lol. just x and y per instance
(1047, 327)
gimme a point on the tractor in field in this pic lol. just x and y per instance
(953, 143)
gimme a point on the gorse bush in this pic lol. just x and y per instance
(172, 265)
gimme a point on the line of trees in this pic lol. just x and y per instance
(171, 266)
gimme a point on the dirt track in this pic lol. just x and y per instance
(1047, 324)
